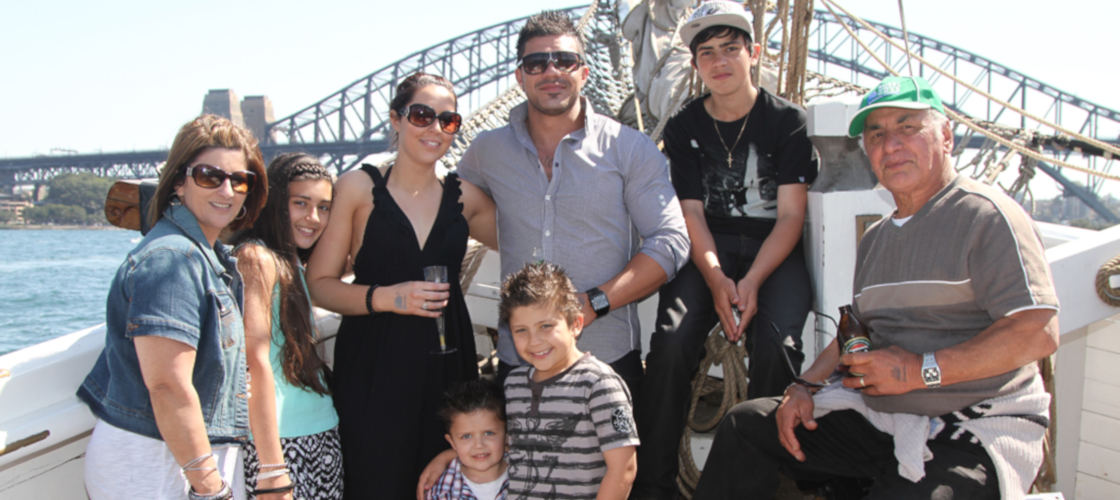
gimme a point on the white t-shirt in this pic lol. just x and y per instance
(488, 490)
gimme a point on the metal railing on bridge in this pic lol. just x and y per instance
(353, 122)
(833, 51)
(479, 64)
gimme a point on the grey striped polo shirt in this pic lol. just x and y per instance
(967, 258)
(559, 428)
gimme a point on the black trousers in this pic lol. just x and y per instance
(685, 315)
(629, 367)
(747, 456)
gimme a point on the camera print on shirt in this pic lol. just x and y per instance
(747, 189)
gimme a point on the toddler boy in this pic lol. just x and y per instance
(476, 428)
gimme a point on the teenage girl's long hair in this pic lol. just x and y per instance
(302, 365)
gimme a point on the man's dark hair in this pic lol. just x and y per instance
(470, 396)
(717, 31)
(547, 23)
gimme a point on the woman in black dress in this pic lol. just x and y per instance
(390, 373)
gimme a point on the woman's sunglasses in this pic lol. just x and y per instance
(423, 115)
(211, 177)
(537, 62)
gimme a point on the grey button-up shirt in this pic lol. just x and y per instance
(609, 198)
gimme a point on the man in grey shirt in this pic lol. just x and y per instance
(578, 189)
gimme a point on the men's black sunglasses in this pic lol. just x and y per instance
(423, 115)
(211, 177)
(537, 62)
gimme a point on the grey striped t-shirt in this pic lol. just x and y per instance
(967, 258)
(559, 428)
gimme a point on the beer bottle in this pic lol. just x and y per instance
(851, 336)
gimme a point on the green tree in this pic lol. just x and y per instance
(35, 215)
(53, 213)
(86, 191)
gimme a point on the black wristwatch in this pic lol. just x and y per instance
(599, 302)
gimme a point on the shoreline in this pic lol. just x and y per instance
(96, 227)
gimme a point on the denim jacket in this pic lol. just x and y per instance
(173, 285)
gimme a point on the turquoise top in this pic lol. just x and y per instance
(299, 411)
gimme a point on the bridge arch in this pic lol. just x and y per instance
(481, 65)
(353, 121)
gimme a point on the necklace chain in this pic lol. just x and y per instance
(719, 135)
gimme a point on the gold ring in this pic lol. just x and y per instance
(862, 383)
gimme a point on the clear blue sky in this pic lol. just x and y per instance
(124, 74)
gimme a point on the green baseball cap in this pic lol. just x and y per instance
(910, 92)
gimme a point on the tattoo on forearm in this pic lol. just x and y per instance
(399, 301)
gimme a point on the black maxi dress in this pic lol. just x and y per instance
(388, 382)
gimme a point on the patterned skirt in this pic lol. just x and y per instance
(314, 464)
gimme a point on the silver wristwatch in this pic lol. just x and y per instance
(931, 371)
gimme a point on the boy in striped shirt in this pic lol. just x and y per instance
(569, 418)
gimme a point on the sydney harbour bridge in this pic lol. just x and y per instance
(352, 123)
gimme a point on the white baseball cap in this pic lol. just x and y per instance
(716, 13)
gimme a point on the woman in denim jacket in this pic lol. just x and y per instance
(170, 390)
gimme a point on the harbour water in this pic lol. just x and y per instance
(54, 281)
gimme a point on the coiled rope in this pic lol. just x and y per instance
(1109, 294)
(733, 387)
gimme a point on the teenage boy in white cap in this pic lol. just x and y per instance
(942, 407)
(741, 164)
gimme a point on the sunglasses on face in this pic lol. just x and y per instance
(537, 62)
(423, 115)
(211, 177)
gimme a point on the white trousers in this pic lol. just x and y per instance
(122, 464)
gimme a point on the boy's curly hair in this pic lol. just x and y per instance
(471, 396)
(542, 283)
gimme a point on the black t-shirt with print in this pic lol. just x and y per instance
(774, 150)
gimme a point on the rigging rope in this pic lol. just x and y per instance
(1113, 150)
(905, 37)
(967, 121)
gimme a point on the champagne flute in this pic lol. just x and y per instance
(438, 274)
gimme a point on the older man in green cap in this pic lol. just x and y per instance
(957, 293)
